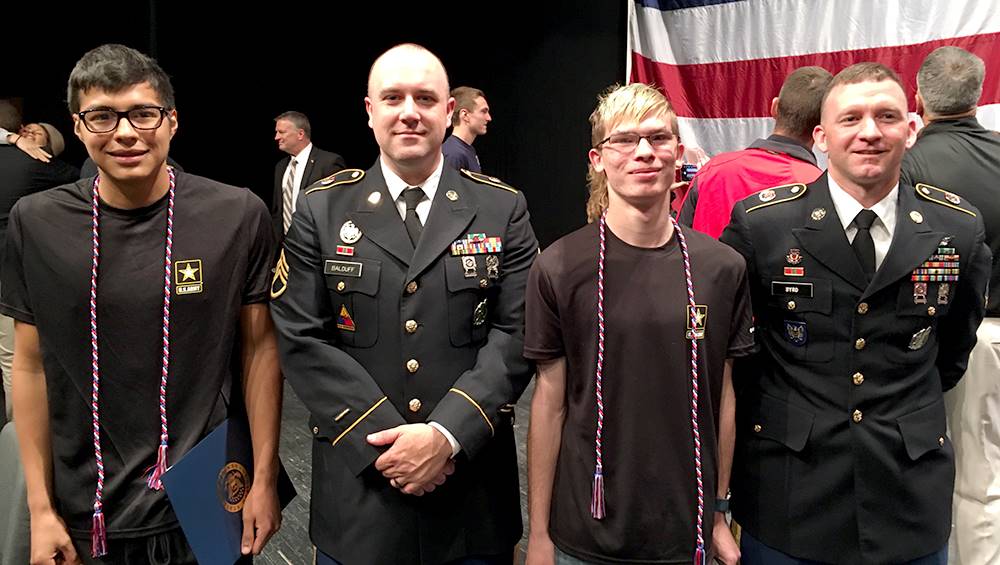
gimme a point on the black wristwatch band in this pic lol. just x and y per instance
(722, 505)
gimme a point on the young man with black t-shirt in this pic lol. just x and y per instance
(633, 324)
(138, 295)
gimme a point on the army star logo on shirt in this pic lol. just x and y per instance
(188, 276)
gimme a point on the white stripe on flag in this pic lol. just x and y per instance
(755, 29)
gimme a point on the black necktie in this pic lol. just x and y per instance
(863, 245)
(414, 228)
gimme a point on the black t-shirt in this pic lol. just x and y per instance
(222, 247)
(648, 448)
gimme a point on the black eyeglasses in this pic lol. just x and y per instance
(627, 141)
(103, 120)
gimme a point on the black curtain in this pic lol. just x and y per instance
(541, 67)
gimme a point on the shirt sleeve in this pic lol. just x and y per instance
(542, 326)
(14, 299)
(256, 287)
(741, 341)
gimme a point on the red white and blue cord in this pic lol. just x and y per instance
(98, 538)
(597, 501)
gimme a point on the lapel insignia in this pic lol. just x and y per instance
(944, 292)
(917, 217)
(697, 319)
(818, 214)
(350, 233)
(451, 195)
(920, 338)
(187, 276)
(374, 198)
(920, 293)
(469, 264)
(280, 281)
(795, 333)
(476, 243)
(492, 267)
(479, 314)
(344, 320)
(794, 256)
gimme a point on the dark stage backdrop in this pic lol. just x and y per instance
(540, 64)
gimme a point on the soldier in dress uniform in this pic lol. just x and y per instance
(399, 302)
(867, 294)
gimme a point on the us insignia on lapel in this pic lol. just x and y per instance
(795, 333)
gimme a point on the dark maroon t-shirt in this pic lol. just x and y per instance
(648, 448)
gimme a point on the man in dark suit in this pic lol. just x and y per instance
(304, 165)
(399, 302)
(867, 293)
(954, 150)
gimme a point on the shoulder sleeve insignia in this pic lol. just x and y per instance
(942, 197)
(280, 281)
(344, 177)
(776, 195)
(486, 179)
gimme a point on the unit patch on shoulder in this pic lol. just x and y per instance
(942, 197)
(345, 177)
(280, 281)
(488, 180)
(777, 195)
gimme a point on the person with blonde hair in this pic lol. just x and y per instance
(633, 324)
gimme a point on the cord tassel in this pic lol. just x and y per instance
(699, 555)
(157, 470)
(98, 536)
(597, 495)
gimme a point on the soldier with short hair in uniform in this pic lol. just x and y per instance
(399, 303)
(867, 293)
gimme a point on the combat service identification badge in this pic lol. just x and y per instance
(795, 333)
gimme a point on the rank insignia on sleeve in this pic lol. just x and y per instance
(187, 276)
(795, 333)
(697, 319)
(280, 281)
(344, 320)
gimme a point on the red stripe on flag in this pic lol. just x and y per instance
(744, 89)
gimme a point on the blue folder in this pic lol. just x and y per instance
(208, 486)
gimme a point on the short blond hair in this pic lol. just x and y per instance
(630, 103)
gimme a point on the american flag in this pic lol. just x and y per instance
(722, 61)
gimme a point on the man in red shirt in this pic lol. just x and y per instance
(785, 157)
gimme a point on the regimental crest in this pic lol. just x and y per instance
(697, 321)
(794, 256)
(232, 486)
(350, 233)
(279, 283)
(188, 276)
(795, 333)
